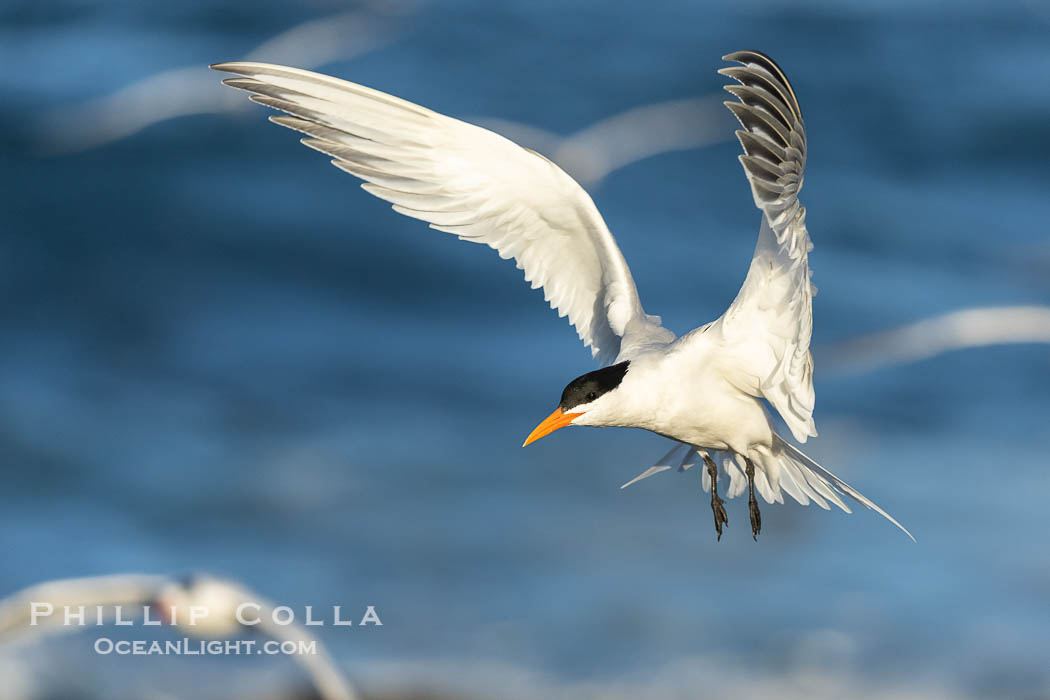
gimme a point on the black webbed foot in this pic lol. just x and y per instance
(752, 502)
(717, 506)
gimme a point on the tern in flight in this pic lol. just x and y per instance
(200, 605)
(706, 390)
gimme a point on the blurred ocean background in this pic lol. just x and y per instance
(219, 354)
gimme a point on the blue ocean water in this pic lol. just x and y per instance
(219, 354)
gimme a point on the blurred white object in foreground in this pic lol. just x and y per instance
(590, 154)
(172, 600)
(190, 90)
(968, 328)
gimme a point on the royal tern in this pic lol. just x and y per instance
(704, 390)
(171, 600)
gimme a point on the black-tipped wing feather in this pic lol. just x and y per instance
(770, 322)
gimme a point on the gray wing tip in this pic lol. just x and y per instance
(751, 58)
(241, 83)
(773, 131)
(747, 56)
(242, 67)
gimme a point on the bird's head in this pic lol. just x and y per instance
(585, 401)
(214, 599)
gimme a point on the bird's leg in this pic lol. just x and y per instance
(716, 503)
(752, 503)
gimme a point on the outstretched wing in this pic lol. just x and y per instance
(768, 325)
(470, 182)
(51, 599)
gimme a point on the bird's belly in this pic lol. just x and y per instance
(717, 418)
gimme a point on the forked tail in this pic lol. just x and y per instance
(781, 469)
(805, 480)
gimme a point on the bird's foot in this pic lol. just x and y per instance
(719, 509)
(717, 505)
(756, 517)
(752, 502)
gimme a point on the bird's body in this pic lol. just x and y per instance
(676, 390)
(708, 389)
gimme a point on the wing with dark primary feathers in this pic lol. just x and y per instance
(769, 324)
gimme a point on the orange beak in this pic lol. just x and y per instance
(550, 424)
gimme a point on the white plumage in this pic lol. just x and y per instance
(770, 322)
(470, 182)
(705, 389)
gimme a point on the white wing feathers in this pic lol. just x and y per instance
(473, 183)
(768, 325)
(121, 589)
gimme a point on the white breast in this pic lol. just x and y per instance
(684, 396)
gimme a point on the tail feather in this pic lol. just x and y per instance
(782, 469)
(735, 470)
(818, 475)
(792, 481)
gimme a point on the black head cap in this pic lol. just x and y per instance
(592, 385)
(187, 581)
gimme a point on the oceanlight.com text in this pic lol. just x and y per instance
(202, 647)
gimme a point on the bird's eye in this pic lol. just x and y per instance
(591, 396)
